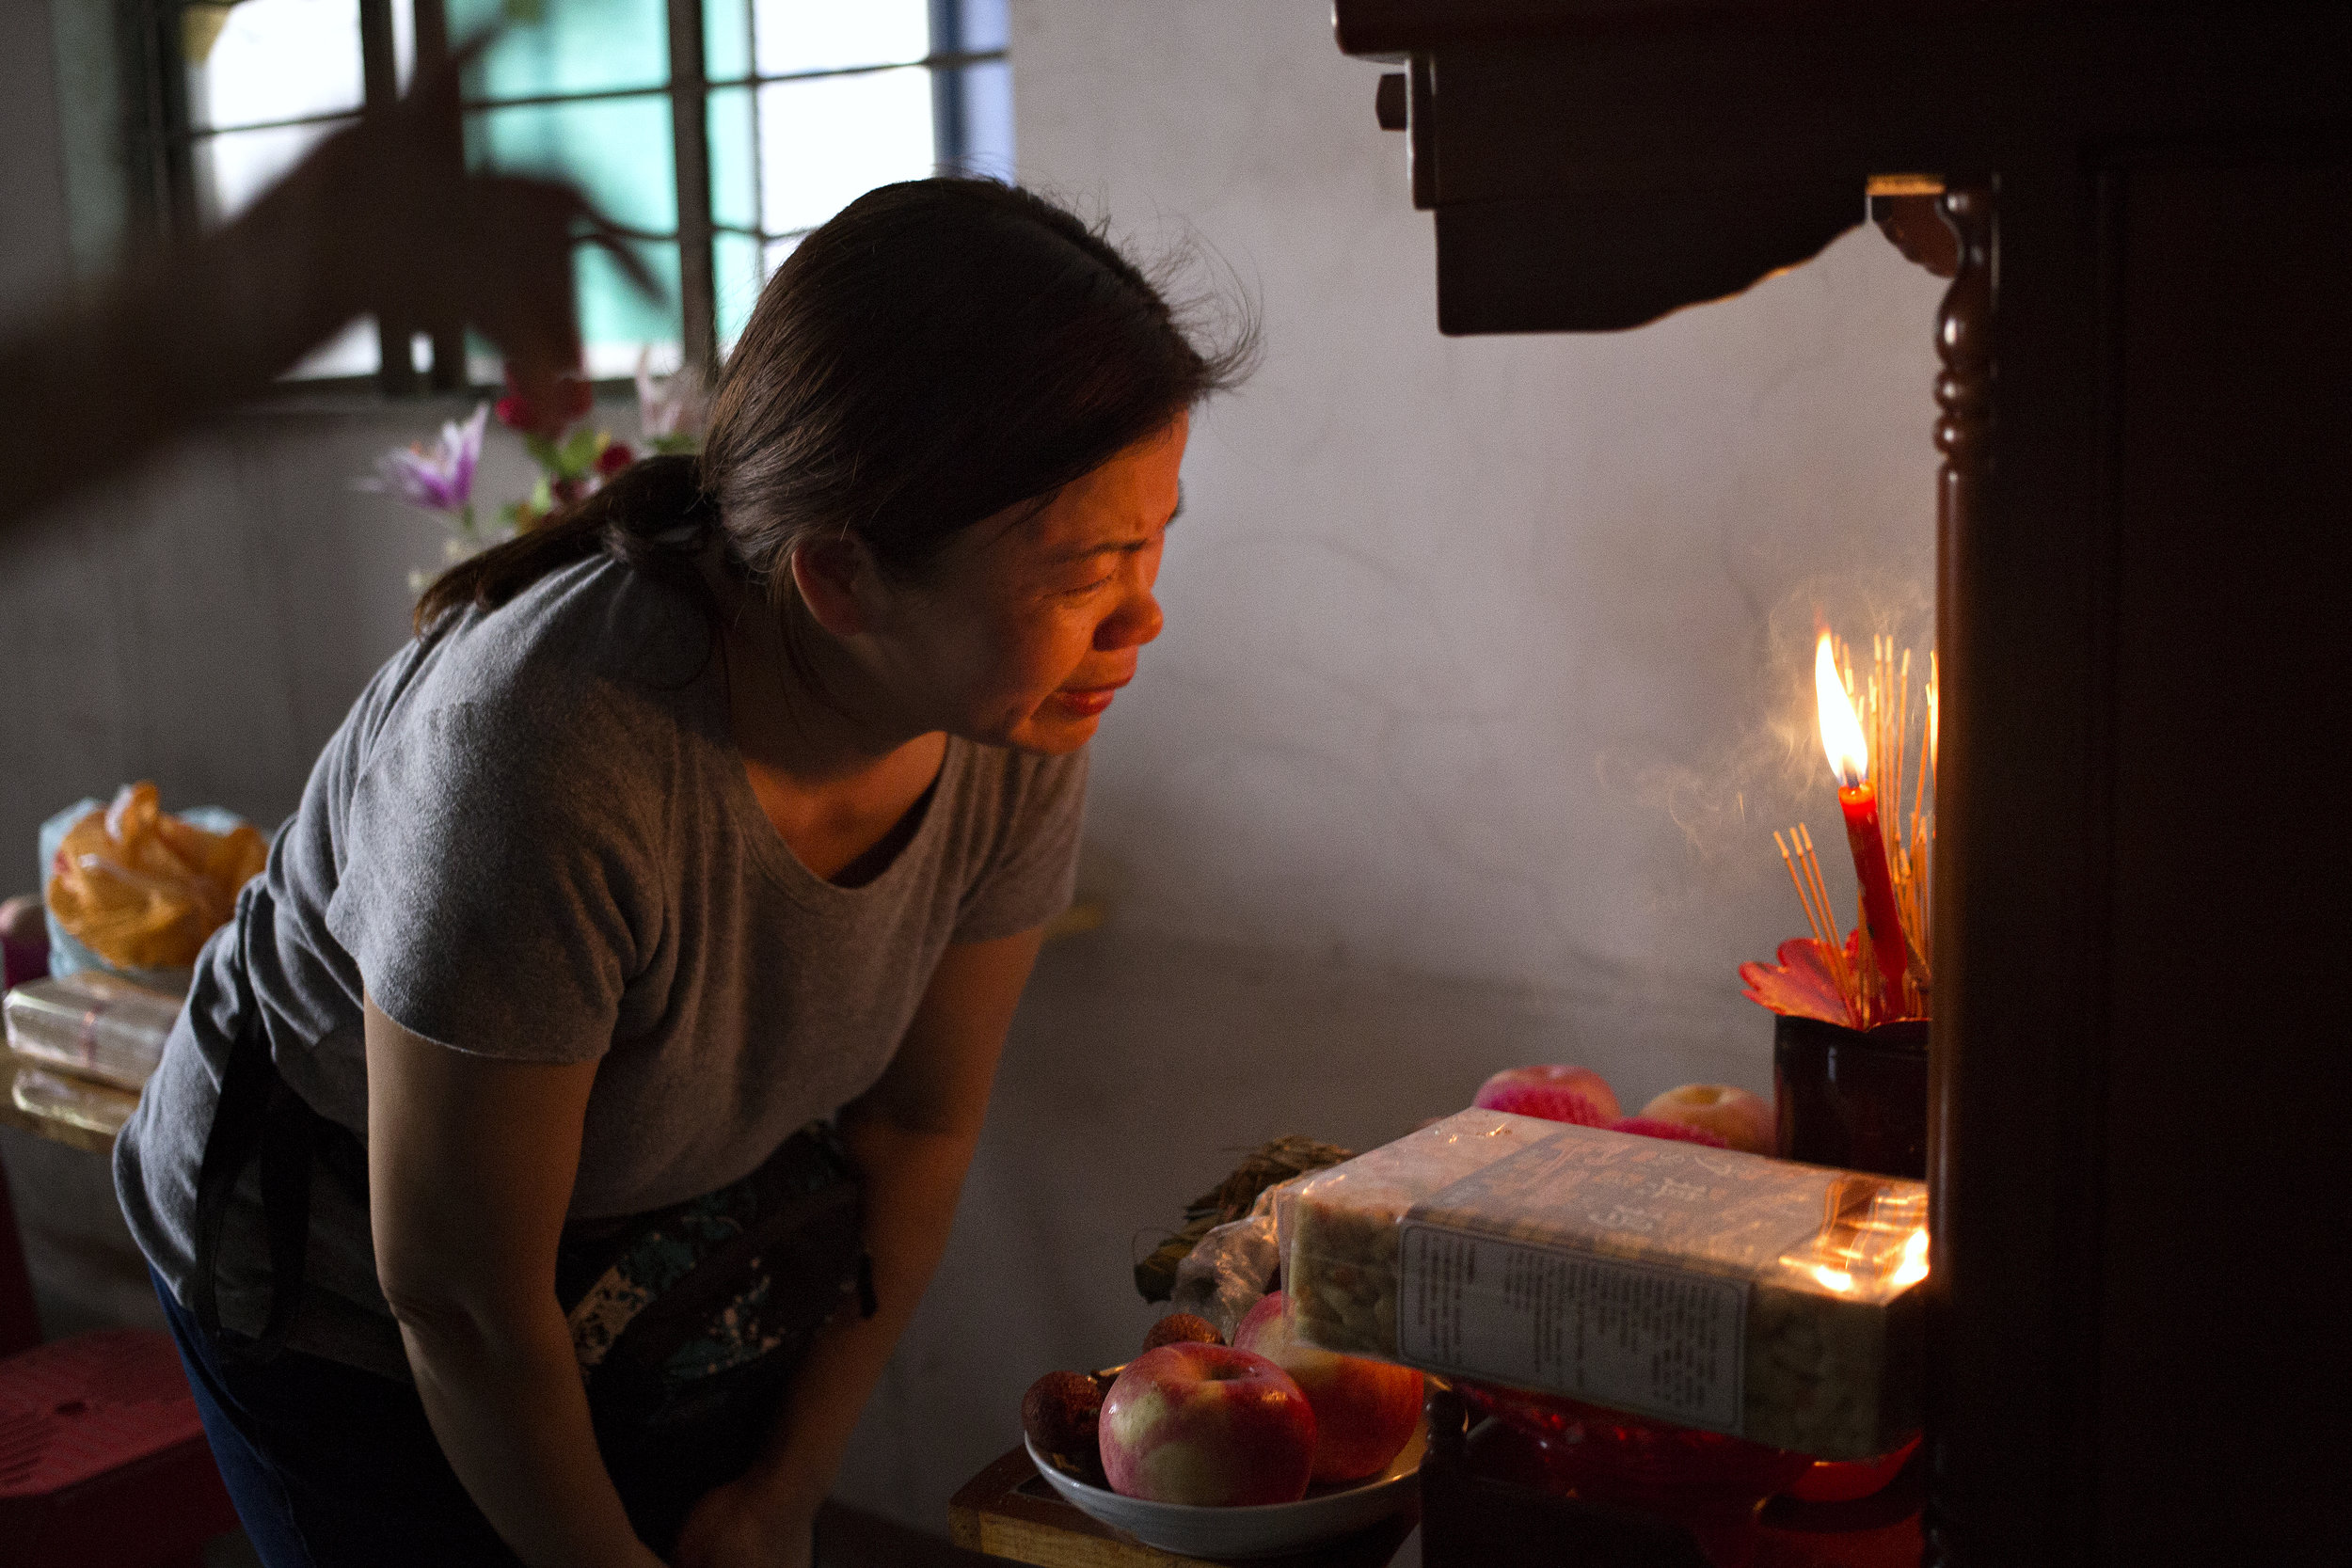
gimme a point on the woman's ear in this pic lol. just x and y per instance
(829, 573)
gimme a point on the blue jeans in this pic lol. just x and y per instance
(334, 1467)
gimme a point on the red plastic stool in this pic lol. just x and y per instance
(102, 1458)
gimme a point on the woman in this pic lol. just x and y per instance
(737, 796)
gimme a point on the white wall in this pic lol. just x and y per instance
(33, 246)
(1457, 752)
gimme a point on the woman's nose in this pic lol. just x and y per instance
(1136, 621)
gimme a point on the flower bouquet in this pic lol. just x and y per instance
(574, 459)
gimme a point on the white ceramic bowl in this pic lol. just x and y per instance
(1325, 1514)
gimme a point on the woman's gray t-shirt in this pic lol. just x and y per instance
(533, 839)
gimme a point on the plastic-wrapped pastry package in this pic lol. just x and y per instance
(92, 1025)
(1727, 1291)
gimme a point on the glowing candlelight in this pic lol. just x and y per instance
(1914, 1265)
(1857, 799)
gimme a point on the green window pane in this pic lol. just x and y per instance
(617, 150)
(576, 46)
(726, 39)
(733, 160)
(741, 270)
(617, 321)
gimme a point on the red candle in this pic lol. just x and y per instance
(1858, 798)
(1860, 805)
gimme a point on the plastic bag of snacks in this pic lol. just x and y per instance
(134, 890)
(1707, 1287)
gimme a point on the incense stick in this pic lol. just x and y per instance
(1881, 699)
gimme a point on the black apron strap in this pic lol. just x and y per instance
(258, 1115)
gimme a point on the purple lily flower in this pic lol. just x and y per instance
(440, 480)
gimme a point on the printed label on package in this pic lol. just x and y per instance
(1631, 1335)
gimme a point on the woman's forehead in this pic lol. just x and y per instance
(1130, 496)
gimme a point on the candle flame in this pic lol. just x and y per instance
(1841, 732)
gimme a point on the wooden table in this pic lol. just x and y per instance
(1009, 1511)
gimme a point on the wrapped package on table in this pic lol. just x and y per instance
(92, 1025)
(1722, 1290)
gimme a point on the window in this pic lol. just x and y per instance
(720, 131)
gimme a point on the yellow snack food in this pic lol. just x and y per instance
(143, 889)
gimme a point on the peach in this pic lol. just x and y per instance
(1554, 1092)
(1742, 1120)
(1207, 1424)
(1365, 1411)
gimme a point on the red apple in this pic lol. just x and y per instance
(1365, 1410)
(1739, 1119)
(1208, 1424)
(1552, 1092)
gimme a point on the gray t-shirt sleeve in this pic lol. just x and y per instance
(1033, 870)
(490, 882)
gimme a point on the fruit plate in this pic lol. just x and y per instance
(1325, 1514)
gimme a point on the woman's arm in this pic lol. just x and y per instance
(913, 1134)
(471, 1163)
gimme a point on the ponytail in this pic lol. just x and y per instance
(655, 514)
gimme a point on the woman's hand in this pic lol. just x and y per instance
(741, 1525)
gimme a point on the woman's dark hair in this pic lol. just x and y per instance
(937, 351)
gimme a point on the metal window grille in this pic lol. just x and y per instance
(165, 143)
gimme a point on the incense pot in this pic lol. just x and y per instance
(1856, 1099)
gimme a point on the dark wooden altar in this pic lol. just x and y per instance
(2140, 1108)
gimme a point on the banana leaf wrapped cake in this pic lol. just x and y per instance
(1721, 1291)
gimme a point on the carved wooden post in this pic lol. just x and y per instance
(1964, 434)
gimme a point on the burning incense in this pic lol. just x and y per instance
(1857, 798)
(1889, 973)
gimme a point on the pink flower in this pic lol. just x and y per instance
(440, 480)
(670, 411)
(1799, 985)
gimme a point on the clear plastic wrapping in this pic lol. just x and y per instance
(1227, 1273)
(1721, 1291)
(91, 1025)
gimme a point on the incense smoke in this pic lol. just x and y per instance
(1772, 772)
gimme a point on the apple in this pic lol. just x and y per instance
(1555, 1093)
(1207, 1424)
(1739, 1119)
(1365, 1411)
